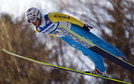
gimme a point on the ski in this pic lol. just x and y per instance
(113, 58)
(87, 44)
(64, 68)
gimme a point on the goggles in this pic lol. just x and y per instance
(32, 19)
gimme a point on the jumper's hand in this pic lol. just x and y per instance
(87, 27)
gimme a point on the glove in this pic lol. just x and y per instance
(87, 27)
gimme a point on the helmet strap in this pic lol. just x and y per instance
(40, 21)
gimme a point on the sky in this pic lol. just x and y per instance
(17, 8)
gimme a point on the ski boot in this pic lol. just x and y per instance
(122, 58)
(97, 72)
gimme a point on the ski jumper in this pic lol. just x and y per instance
(53, 23)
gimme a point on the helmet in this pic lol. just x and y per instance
(32, 14)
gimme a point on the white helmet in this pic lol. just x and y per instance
(32, 14)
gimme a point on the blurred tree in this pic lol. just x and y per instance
(113, 20)
(122, 35)
(18, 37)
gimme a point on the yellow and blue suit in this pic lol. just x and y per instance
(51, 24)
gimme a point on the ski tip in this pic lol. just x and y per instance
(4, 50)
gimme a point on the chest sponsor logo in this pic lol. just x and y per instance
(61, 16)
(50, 28)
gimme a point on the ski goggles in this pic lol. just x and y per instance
(32, 19)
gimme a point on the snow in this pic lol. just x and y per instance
(17, 9)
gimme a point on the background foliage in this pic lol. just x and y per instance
(113, 22)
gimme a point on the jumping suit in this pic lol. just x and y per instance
(52, 23)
